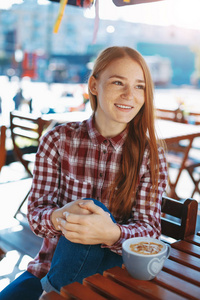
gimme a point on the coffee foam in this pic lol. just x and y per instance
(147, 248)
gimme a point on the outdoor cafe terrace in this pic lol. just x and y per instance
(175, 125)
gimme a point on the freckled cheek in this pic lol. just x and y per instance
(105, 92)
(140, 100)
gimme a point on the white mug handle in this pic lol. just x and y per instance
(168, 250)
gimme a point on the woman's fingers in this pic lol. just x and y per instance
(94, 228)
(93, 208)
(73, 231)
(73, 207)
(73, 219)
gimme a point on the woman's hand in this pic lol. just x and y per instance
(72, 207)
(95, 227)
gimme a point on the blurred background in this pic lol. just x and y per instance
(32, 56)
(166, 32)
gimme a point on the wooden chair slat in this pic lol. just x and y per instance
(185, 211)
(146, 288)
(187, 248)
(185, 259)
(182, 271)
(179, 285)
(26, 125)
(173, 206)
(27, 134)
(174, 228)
(109, 288)
(79, 291)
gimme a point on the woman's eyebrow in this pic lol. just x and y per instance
(117, 76)
(140, 80)
(122, 77)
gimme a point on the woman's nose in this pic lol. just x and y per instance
(128, 93)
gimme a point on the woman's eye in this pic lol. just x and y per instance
(140, 87)
(117, 82)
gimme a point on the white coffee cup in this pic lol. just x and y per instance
(144, 265)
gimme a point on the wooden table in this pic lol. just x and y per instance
(173, 132)
(179, 279)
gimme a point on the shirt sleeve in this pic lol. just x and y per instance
(44, 194)
(146, 215)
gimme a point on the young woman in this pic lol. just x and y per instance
(113, 158)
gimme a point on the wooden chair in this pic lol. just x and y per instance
(174, 160)
(194, 118)
(26, 129)
(185, 211)
(176, 115)
(2, 146)
(175, 149)
(192, 171)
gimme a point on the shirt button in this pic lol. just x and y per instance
(104, 151)
(105, 141)
(101, 174)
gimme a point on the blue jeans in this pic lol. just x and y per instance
(25, 287)
(73, 262)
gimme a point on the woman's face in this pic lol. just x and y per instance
(120, 92)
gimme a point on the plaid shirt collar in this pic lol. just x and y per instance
(97, 139)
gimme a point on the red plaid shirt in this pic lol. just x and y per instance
(74, 161)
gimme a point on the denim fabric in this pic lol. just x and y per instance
(25, 287)
(73, 262)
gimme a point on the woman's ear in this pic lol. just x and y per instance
(92, 84)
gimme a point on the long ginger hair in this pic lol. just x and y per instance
(141, 132)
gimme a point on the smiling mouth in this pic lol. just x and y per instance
(124, 106)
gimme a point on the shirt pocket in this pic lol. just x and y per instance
(72, 189)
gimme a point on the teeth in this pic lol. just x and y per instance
(122, 106)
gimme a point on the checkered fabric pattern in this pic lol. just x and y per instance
(74, 161)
